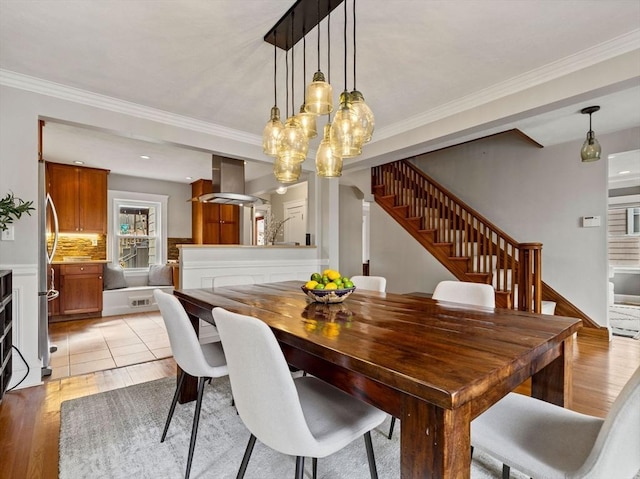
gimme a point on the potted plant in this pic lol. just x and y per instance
(12, 208)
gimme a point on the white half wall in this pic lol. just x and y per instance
(199, 264)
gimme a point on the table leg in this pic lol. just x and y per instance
(189, 390)
(553, 383)
(435, 443)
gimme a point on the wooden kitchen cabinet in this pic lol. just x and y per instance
(80, 197)
(80, 287)
(213, 223)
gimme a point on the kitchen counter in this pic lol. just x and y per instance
(85, 261)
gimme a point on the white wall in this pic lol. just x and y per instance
(179, 206)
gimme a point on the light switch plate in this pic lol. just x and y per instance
(8, 234)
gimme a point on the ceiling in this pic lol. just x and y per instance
(207, 61)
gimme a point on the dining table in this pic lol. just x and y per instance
(434, 365)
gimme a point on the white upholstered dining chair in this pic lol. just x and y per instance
(373, 283)
(203, 361)
(302, 417)
(548, 441)
(477, 294)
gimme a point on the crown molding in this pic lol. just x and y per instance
(565, 66)
(586, 58)
(76, 95)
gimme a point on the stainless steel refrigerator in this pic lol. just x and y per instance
(46, 281)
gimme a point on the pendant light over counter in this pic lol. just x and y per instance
(353, 123)
(590, 150)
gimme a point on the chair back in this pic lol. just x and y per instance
(232, 280)
(264, 391)
(373, 283)
(616, 452)
(477, 294)
(185, 347)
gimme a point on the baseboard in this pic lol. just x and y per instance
(626, 299)
(598, 333)
(117, 302)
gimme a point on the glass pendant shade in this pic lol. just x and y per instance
(590, 149)
(328, 164)
(307, 122)
(294, 143)
(286, 172)
(319, 97)
(271, 133)
(343, 137)
(366, 120)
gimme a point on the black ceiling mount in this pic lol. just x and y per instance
(303, 21)
(589, 110)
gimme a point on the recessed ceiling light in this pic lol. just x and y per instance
(624, 172)
(188, 177)
(79, 162)
(145, 157)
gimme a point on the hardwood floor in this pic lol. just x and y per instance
(30, 418)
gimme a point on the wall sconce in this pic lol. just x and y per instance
(591, 148)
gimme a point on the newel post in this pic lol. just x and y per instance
(530, 277)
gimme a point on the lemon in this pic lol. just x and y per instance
(310, 284)
(333, 275)
(331, 286)
(326, 272)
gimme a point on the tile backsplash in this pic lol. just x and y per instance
(79, 246)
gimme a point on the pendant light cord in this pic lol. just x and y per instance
(275, 71)
(328, 48)
(354, 45)
(345, 46)
(286, 82)
(293, 68)
(318, 23)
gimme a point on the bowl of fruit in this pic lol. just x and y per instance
(328, 287)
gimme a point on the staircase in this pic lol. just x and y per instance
(466, 243)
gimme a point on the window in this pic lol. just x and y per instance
(138, 223)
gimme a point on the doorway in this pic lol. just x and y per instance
(295, 228)
(623, 243)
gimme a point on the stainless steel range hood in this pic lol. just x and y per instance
(227, 176)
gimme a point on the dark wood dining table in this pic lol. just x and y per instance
(432, 364)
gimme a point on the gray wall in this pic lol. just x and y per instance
(350, 231)
(533, 194)
(394, 254)
(541, 194)
(179, 208)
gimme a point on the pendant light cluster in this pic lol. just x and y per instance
(353, 123)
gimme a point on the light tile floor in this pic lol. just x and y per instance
(89, 345)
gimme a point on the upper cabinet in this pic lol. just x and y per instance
(80, 197)
(213, 223)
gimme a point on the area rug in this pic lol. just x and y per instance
(116, 434)
(625, 320)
